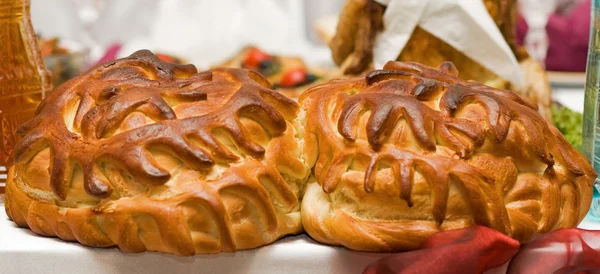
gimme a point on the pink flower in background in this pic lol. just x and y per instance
(568, 34)
(111, 53)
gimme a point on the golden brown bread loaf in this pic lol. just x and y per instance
(410, 150)
(148, 155)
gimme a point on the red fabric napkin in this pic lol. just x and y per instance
(470, 250)
(478, 249)
(563, 251)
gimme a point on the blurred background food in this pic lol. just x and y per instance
(569, 122)
(64, 60)
(288, 74)
(208, 33)
(478, 37)
(203, 32)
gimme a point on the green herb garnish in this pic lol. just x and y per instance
(569, 123)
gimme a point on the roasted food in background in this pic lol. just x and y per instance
(64, 64)
(411, 150)
(51, 46)
(289, 75)
(149, 155)
(361, 20)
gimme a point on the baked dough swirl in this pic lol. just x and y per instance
(411, 150)
(148, 155)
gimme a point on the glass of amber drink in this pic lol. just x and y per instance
(24, 80)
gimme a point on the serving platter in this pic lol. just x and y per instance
(566, 79)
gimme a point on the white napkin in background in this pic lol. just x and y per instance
(118, 21)
(464, 24)
(203, 32)
(207, 32)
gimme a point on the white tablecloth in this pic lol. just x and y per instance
(21, 251)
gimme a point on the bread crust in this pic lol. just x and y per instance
(411, 150)
(148, 155)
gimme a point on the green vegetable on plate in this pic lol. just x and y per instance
(569, 123)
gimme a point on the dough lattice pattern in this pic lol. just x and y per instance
(146, 136)
(148, 155)
(478, 155)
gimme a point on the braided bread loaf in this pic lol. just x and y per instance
(410, 150)
(148, 155)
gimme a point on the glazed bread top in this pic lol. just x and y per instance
(417, 145)
(144, 137)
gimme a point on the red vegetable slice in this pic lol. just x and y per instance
(254, 57)
(470, 250)
(293, 77)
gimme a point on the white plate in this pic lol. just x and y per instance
(566, 79)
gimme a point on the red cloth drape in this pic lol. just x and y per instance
(477, 249)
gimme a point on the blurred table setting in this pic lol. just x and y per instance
(201, 32)
(206, 33)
